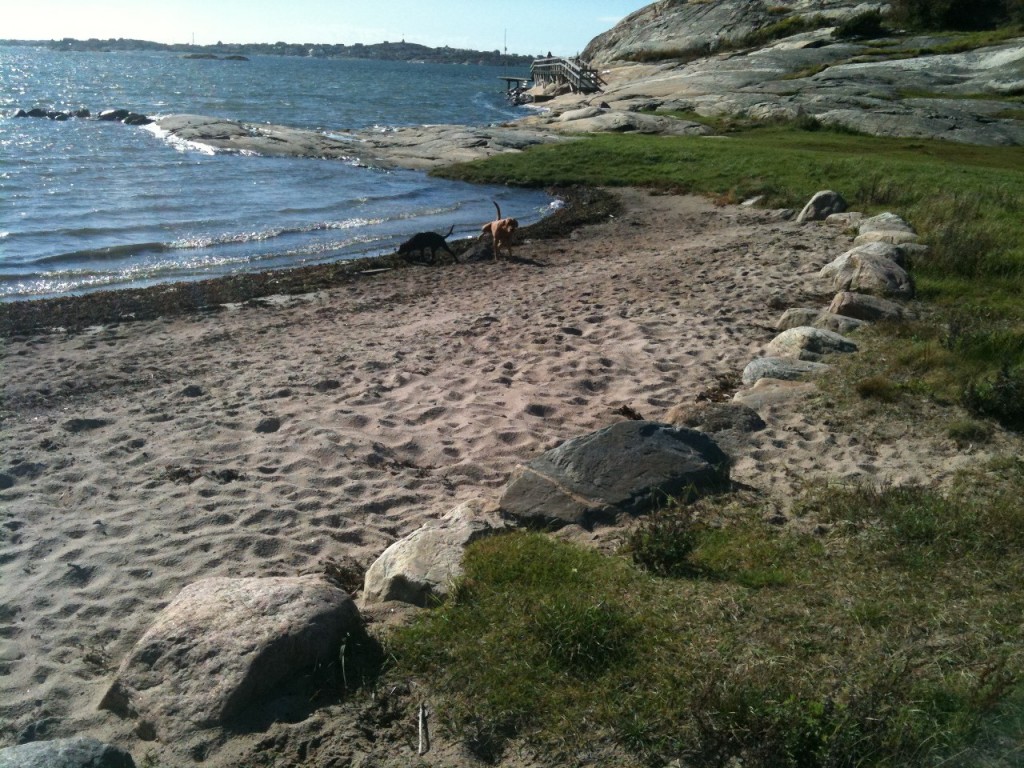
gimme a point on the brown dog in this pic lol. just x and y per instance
(501, 231)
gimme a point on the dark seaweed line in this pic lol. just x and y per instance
(73, 313)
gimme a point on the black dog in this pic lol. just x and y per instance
(424, 241)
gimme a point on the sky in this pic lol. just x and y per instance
(563, 27)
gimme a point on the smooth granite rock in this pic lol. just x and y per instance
(420, 568)
(822, 205)
(626, 468)
(223, 645)
(788, 369)
(65, 753)
(865, 307)
(808, 343)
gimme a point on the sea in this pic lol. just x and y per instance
(87, 205)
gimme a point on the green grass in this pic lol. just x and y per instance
(891, 639)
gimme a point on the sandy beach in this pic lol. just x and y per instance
(267, 438)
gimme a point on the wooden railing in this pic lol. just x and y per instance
(575, 73)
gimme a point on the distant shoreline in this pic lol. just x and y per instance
(384, 51)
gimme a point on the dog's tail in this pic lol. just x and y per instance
(450, 232)
(497, 207)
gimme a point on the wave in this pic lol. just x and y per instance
(241, 238)
(104, 253)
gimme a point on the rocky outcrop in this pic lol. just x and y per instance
(224, 644)
(420, 148)
(674, 28)
(65, 753)
(627, 468)
(705, 57)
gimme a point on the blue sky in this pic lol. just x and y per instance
(563, 27)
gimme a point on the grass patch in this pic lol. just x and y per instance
(891, 639)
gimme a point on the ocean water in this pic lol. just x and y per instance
(88, 205)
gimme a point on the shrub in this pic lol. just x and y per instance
(968, 431)
(955, 14)
(663, 543)
(862, 25)
(1000, 397)
(877, 388)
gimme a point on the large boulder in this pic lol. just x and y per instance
(885, 222)
(224, 645)
(822, 205)
(626, 468)
(892, 251)
(866, 308)
(65, 753)
(808, 343)
(785, 368)
(420, 568)
(864, 269)
(817, 318)
(767, 392)
(713, 418)
(731, 424)
(893, 236)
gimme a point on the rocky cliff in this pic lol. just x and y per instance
(752, 60)
(690, 27)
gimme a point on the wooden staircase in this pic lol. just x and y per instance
(573, 72)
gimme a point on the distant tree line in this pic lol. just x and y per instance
(957, 14)
(390, 51)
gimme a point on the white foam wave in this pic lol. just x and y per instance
(184, 145)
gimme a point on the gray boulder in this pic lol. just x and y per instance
(865, 307)
(817, 318)
(863, 269)
(808, 343)
(821, 206)
(713, 418)
(885, 222)
(767, 392)
(113, 115)
(626, 468)
(136, 119)
(844, 220)
(891, 251)
(731, 424)
(224, 645)
(893, 236)
(65, 753)
(420, 568)
(785, 368)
